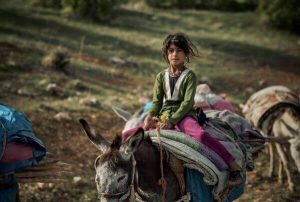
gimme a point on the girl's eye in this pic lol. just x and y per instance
(171, 50)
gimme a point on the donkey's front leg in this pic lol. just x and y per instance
(286, 166)
(272, 160)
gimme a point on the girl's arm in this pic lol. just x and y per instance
(188, 101)
(158, 96)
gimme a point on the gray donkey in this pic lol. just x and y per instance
(131, 167)
(287, 124)
(275, 110)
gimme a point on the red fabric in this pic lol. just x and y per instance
(130, 131)
(15, 151)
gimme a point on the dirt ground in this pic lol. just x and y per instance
(66, 140)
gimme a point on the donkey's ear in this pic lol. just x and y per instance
(97, 162)
(132, 143)
(101, 143)
(122, 113)
(117, 142)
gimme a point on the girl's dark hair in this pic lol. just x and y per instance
(181, 41)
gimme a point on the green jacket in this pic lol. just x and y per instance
(182, 101)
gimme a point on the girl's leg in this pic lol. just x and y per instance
(191, 127)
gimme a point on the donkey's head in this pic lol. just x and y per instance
(115, 166)
(288, 123)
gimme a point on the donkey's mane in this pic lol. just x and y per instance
(112, 156)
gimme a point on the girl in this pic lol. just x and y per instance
(173, 99)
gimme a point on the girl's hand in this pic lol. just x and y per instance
(166, 125)
(150, 122)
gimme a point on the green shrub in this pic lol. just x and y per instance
(57, 59)
(227, 5)
(159, 3)
(184, 3)
(56, 4)
(93, 9)
(282, 14)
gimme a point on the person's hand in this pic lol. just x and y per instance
(150, 122)
(166, 125)
(147, 122)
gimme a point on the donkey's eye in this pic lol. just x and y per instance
(121, 178)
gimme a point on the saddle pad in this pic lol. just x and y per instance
(191, 157)
(265, 101)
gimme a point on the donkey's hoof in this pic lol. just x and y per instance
(291, 187)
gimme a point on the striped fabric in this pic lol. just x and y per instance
(199, 147)
(187, 150)
(174, 96)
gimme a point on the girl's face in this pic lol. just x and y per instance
(176, 56)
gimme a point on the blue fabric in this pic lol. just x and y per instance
(11, 192)
(147, 106)
(14, 126)
(202, 192)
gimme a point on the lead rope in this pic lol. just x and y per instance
(132, 191)
(162, 180)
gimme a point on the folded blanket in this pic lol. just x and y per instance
(187, 151)
(204, 150)
(234, 129)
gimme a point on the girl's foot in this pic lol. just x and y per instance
(235, 178)
(234, 166)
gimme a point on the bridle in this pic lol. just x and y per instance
(130, 192)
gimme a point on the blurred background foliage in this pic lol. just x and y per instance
(92, 9)
(225, 5)
(281, 14)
